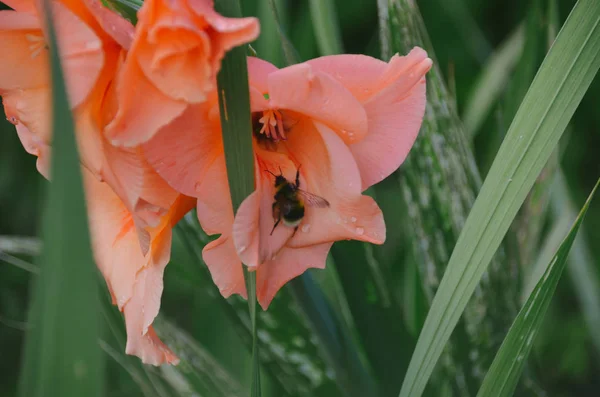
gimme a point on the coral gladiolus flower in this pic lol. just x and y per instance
(173, 62)
(131, 213)
(339, 123)
(134, 279)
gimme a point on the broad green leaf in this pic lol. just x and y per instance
(555, 93)
(268, 43)
(289, 52)
(582, 270)
(438, 183)
(492, 81)
(236, 126)
(503, 375)
(62, 356)
(326, 25)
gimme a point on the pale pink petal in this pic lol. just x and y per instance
(117, 27)
(30, 107)
(215, 214)
(138, 120)
(25, 67)
(148, 347)
(289, 263)
(365, 76)
(33, 145)
(139, 312)
(395, 118)
(182, 151)
(258, 74)
(81, 53)
(114, 238)
(215, 211)
(173, 47)
(329, 171)
(320, 97)
(22, 5)
(225, 266)
(394, 102)
(229, 32)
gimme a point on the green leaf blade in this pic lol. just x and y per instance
(236, 127)
(62, 356)
(503, 375)
(541, 119)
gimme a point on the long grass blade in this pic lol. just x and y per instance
(492, 81)
(62, 356)
(234, 107)
(582, 269)
(563, 78)
(327, 30)
(502, 377)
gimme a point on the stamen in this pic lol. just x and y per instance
(272, 125)
(37, 44)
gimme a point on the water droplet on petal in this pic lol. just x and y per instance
(305, 228)
(353, 219)
(360, 231)
(197, 186)
(242, 249)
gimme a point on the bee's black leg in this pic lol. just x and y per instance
(275, 225)
(295, 230)
(298, 177)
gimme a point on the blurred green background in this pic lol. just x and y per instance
(464, 35)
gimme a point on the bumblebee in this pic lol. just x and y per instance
(290, 201)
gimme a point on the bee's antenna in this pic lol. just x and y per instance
(280, 172)
(271, 173)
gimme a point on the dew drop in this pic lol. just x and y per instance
(242, 249)
(305, 228)
(360, 231)
(344, 132)
(13, 120)
(197, 186)
(353, 219)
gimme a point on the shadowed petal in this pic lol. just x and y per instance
(183, 150)
(254, 237)
(289, 263)
(215, 214)
(329, 170)
(129, 127)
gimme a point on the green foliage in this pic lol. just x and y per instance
(541, 119)
(350, 330)
(62, 356)
(502, 377)
(234, 109)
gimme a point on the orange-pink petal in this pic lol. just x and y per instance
(289, 263)
(394, 101)
(182, 151)
(329, 170)
(317, 95)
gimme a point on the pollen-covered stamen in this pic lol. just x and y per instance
(272, 125)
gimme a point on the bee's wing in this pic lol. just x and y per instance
(312, 200)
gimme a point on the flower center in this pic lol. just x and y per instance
(272, 125)
(37, 44)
